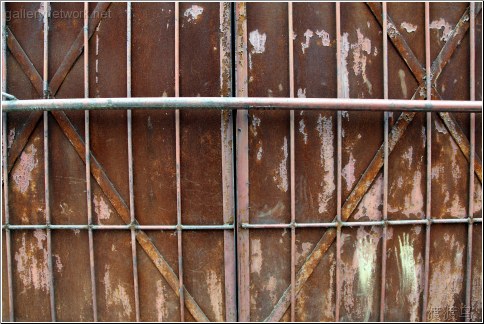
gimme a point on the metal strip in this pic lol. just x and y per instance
(88, 162)
(227, 162)
(46, 160)
(292, 163)
(339, 163)
(130, 160)
(242, 163)
(472, 95)
(385, 163)
(8, 239)
(244, 103)
(429, 163)
(122, 227)
(177, 153)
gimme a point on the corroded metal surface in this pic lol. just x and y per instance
(314, 188)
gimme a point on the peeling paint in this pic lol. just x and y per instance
(446, 280)
(303, 250)
(370, 205)
(270, 286)
(101, 208)
(11, 137)
(325, 40)
(301, 93)
(255, 256)
(193, 12)
(58, 263)
(31, 268)
(259, 153)
(302, 130)
(307, 35)
(409, 28)
(362, 45)
(280, 177)
(348, 172)
(445, 26)
(258, 42)
(116, 295)
(215, 291)
(345, 83)
(326, 137)
(161, 310)
(403, 84)
(255, 124)
(22, 173)
(439, 127)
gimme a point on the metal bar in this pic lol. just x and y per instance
(243, 225)
(168, 103)
(8, 239)
(119, 227)
(472, 153)
(46, 160)
(385, 163)
(429, 163)
(292, 163)
(88, 162)
(227, 162)
(339, 162)
(242, 136)
(130, 160)
(177, 158)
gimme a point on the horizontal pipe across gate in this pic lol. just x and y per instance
(331, 104)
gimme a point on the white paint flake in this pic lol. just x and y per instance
(193, 12)
(445, 26)
(409, 28)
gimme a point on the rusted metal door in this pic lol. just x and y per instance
(344, 216)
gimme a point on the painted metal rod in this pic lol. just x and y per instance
(130, 160)
(120, 227)
(292, 163)
(177, 161)
(88, 163)
(385, 164)
(472, 144)
(339, 162)
(8, 239)
(243, 225)
(429, 164)
(46, 162)
(248, 103)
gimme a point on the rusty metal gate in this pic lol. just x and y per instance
(265, 206)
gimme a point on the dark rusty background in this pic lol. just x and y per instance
(203, 72)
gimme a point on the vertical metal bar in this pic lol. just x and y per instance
(292, 165)
(242, 164)
(177, 157)
(227, 162)
(130, 160)
(472, 68)
(385, 163)
(46, 161)
(339, 161)
(88, 162)
(8, 239)
(429, 163)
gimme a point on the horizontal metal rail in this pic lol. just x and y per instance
(330, 104)
(119, 227)
(367, 223)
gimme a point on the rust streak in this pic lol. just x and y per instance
(122, 209)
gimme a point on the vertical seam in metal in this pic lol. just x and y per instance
(292, 164)
(88, 162)
(339, 162)
(385, 163)
(8, 239)
(227, 161)
(472, 144)
(177, 158)
(46, 162)
(130, 160)
(242, 164)
(429, 163)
